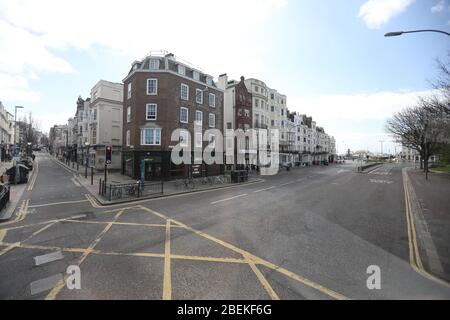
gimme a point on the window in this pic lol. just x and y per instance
(256, 103)
(212, 141)
(95, 114)
(184, 92)
(212, 120)
(196, 75)
(150, 137)
(151, 111)
(256, 89)
(272, 108)
(184, 138)
(199, 96)
(208, 81)
(212, 100)
(128, 138)
(247, 112)
(184, 115)
(152, 87)
(129, 91)
(273, 123)
(154, 64)
(198, 140)
(181, 70)
(198, 118)
(282, 112)
(129, 114)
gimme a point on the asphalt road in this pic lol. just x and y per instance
(310, 233)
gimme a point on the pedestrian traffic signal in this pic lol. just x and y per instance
(108, 154)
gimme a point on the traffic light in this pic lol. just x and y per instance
(108, 154)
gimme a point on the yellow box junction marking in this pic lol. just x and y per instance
(167, 283)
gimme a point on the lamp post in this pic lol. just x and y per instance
(15, 127)
(399, 33)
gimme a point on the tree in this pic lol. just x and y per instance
(417, 128)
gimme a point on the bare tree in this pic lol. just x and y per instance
(418, 129)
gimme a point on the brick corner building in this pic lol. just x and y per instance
(162, 94)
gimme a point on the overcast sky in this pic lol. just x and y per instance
(329, 57)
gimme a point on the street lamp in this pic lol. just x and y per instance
(399, 33)
(15, 128)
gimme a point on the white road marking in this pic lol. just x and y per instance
(381, 181)
(47, 258)
(57, 203)
(257, 191)
(288, 183)
(228, 199)
(76, 182)
(45, 284)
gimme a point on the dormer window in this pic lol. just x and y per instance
(196, 75)
(154, 64)
(181, 70)
(208, 81)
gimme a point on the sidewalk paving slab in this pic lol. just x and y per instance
(433, 204)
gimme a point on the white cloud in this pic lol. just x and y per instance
(357, 119)
(376, 13)
(197, 28)
(16, 88)
(22, 51)
(33, 34)
(438, 7)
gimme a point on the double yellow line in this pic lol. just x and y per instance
(414, 253)
(33, 178)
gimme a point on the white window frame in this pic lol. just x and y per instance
(153, 143)
(196, 75)
(212, 116)
(128, 138)
(156, 87)
(129, 91)
(198, 140)
(128, 114)
(183, 85)
(181, 69)
(154, 64)
(213, 144)
(185, 141)
(212, 95)
(146, 111)
(197, 91)
(199, 122)
(187, 115)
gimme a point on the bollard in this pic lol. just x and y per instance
(92, 176)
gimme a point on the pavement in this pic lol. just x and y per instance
(310, 233)
(433, 211)
(170, 188)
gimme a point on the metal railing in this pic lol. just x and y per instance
(130, 190)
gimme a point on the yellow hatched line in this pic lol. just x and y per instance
(3, 234)
(257, 260)
(262, 279)
(57, 289)
(167, 282)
